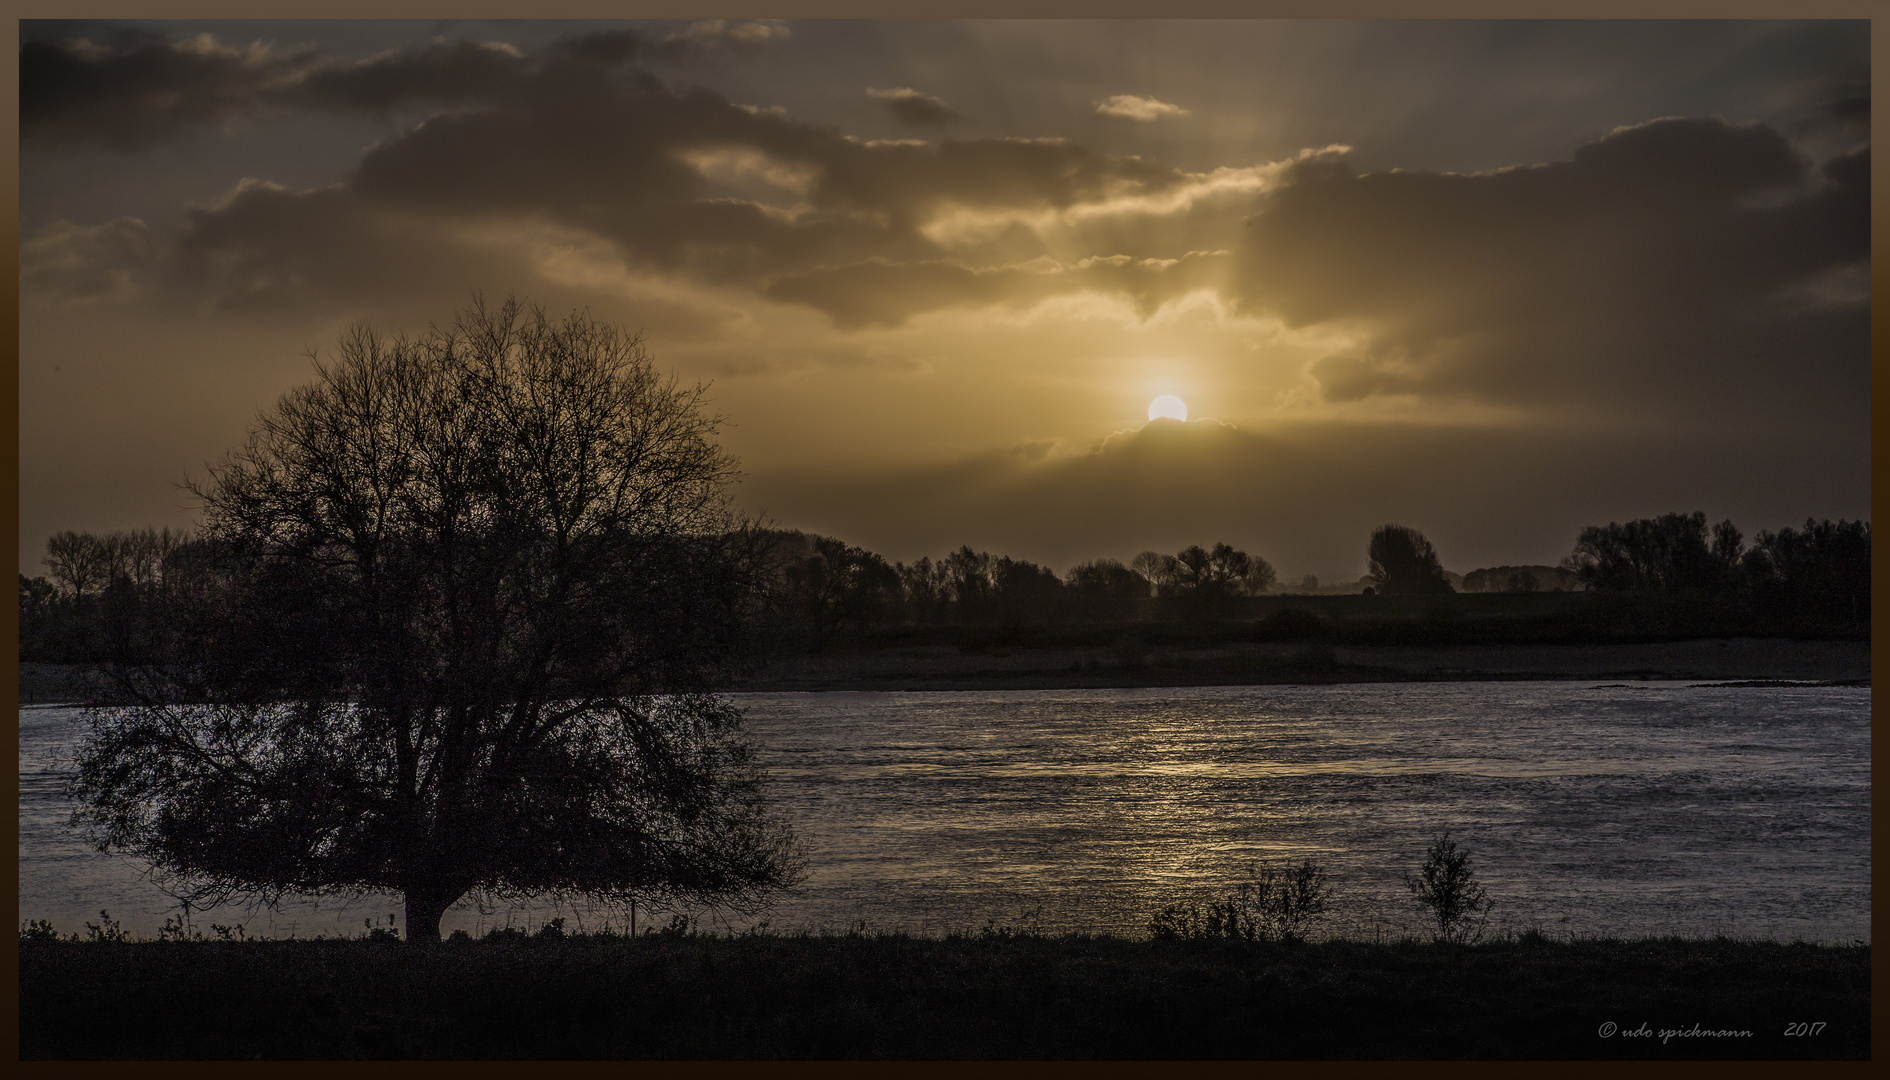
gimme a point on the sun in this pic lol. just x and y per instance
(1168, 405)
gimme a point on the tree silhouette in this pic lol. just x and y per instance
(1233, 572)
(1823, 571)
(1403, 562)
(1160, 571)
(453, 628)
(1105, 589)
(926, 590)
(1672, 553)
(1200, 582)
(1026, 592)
(968, 576)
(77, 562)
(835, 583)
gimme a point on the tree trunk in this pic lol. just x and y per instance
(424, 909)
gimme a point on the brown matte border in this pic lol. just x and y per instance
(829, 9)
(955, 9)
(10, 449)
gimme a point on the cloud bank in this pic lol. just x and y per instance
(1664, 262)
(1689, 288)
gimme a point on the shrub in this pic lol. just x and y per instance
(1448, 887)
(178, 928)
(1277, 904)
(106, 929)
(39, 932)
(680, 926)
(1032, 927)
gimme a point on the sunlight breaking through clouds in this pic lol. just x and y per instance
(1680, 255)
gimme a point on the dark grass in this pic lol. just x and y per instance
(895, 996)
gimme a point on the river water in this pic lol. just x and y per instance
(1590, 809)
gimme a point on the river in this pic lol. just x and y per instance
(1590, 809)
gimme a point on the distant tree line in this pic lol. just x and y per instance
(97, 589)
(1819, 573)
(818, 589)
(826, 586)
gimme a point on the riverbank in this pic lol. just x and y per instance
(1131, 664)
(1002, 995)
(1238, 663)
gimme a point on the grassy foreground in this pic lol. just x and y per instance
(1003, 996)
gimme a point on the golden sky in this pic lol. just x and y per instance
(1495, 281)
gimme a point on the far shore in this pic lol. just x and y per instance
(942, 667)
(1262, 664)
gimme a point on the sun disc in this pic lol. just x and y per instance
(1168, 405)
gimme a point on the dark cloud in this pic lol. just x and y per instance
(1680, 266)
(136, 90)
(1855, 107)
(619, 155)
(882, 293)
(915, 107)
(443, 72)
(267, 249)
(611, 48)
(879, 292)
(1645, 268)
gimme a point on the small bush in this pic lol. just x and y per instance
(1273, 904)
(106, 929)
(1032, 927)
(680, 926)
(1448, 887)
(40, 932)
(177, 928)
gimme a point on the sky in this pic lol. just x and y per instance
(1495, 281)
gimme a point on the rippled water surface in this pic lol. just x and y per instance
(1592, 809)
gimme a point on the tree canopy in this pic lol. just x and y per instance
(1671, 553)
(458, 610)
(1403, 561)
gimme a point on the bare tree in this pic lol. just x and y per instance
(77, 562)
(1448, 886)
(1159, 570)
(454, 627)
